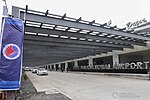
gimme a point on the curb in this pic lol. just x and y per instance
(131, 76)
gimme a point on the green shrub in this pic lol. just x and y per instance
(24, 76)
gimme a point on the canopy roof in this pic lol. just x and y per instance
(51, 38)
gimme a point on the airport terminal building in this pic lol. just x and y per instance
(60, 42)
(134, 60)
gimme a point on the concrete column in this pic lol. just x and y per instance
(90, 61)
(5, 11)
(148, 44)
(59, 65)
(15, 12)
(66, 66)
(54, 66)
(115, 58)
(75, 62)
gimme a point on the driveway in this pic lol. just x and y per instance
(91, 87)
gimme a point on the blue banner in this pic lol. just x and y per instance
(11, 46)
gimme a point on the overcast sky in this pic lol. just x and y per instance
(119, 11)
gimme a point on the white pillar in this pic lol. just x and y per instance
(76, 63)
(5, 11)
(148, 44)
(115, 58)
(66, 66)
(59, 65)
(90, 61)
(54, 66)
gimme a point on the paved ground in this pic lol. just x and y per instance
(91, 87)
(28, 92)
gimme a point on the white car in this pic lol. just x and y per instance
(26, 68)
(42, 71)
(34, 70)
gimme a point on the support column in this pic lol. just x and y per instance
(55, 67)
(66, 66)
(115, 58)
(75, 63)
(5, 11)
(15, 12)
(59, 67)
(90, 61)
(148, 44)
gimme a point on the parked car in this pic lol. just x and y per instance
(42, 71)
(34, 70)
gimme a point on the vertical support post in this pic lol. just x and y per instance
(5, 11)
(90, 61)
(55, 67)
(59, 65)
(66, 66)
(115, 58)
(75, 63)
(15, 12)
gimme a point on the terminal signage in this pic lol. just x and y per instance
(131, 25)
(132, 65)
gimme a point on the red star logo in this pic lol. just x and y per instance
(9, 51)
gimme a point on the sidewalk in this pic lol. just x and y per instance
(121, 75)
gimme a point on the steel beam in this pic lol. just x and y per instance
(57, 48)
(43, 53)
(69, 41)
(56, 21)
(34, 42)
(78, 35)
(66, 51)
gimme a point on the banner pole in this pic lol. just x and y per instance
(3, 95)
(12, 95)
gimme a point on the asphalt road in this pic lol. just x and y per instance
(91, 87)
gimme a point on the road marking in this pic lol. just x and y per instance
(64, 93)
